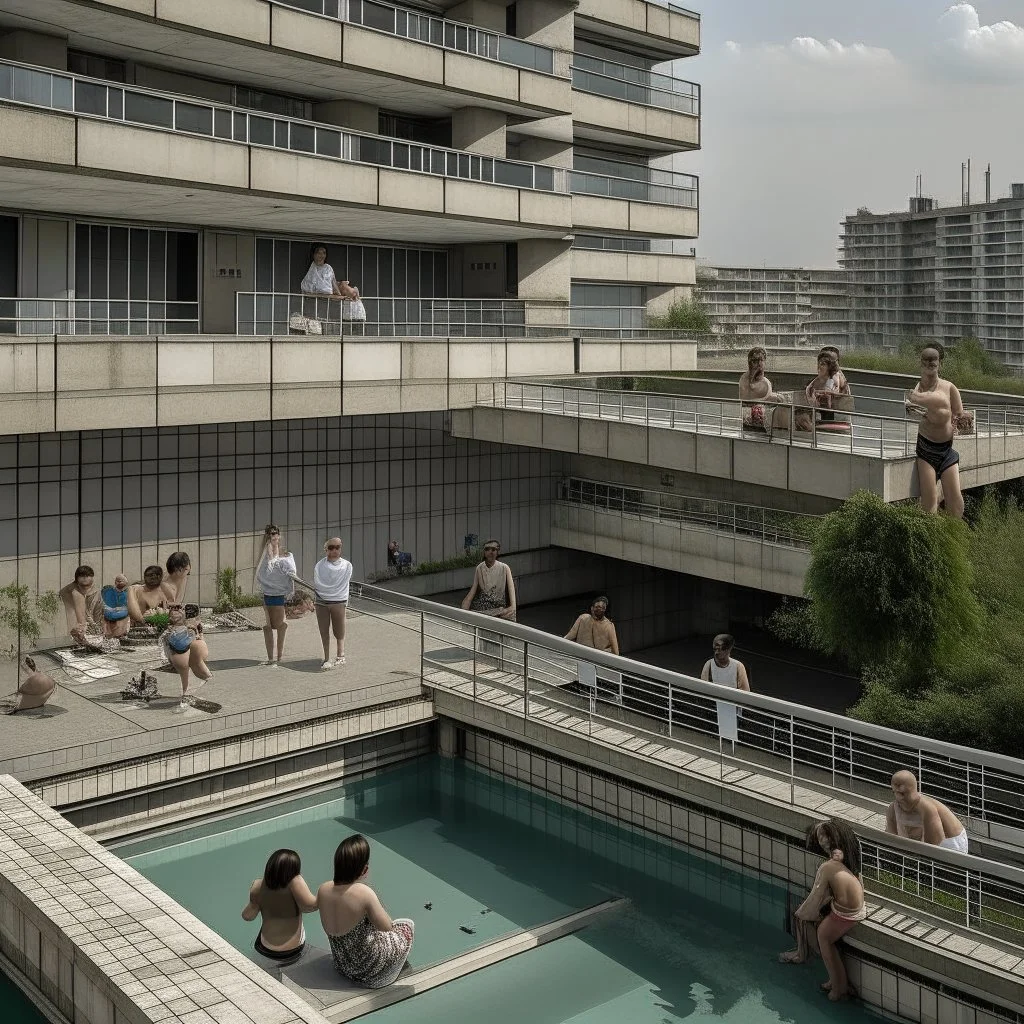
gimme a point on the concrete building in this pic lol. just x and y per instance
(780, 306)
(164, 169)
(939, 272)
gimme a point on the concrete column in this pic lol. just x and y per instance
(482, 13)
(447, 739)
(545, 151)
(548, 22)
(479, 130)
(35, 48)
(227, 268)
(544, 279)
(360, 117)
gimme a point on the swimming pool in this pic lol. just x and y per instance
(697, 939)
(16, 1008)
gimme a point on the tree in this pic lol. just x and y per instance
(684, 315)
(20, 614)
(891, 586)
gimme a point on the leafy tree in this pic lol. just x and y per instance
(20, 614)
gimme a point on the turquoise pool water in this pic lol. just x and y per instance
(698, 940)
(14, 1007)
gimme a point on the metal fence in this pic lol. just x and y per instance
(167, 112)
(783, 752)
(426, 28)
(634, 85)
(97, 316)
(669, 189)
(774, 526)
(266, 313)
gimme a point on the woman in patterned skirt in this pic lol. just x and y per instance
(368, 947)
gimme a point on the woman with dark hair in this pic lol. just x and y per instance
(833, 906)
(369, 948)
(320, 279)
(175, 583)
(275, 576)
(493, 591)
(281, 897)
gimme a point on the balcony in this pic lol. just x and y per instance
(612, 100)
(659, 261)
(662, 30)
(662, 204)
(110, 317)
(264, 170)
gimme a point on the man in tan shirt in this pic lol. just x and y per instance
(595, 629)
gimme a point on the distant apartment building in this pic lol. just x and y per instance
(942, 273)
(777, 305)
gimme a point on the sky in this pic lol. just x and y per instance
(815, 108)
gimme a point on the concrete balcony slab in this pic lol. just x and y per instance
(615, 121)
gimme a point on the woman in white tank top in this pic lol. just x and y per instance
(726, 671)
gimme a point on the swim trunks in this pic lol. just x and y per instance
(940, 455)
(115, 603)
(273, 600)
(958, 843)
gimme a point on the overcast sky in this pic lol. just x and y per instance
(813, 108)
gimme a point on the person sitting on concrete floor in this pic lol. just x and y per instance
(147, 596)
(493, 591)
(34, 690)
(280, 897)
(116, 620)
(820, 392)
(836, 883)
(187, 650)
(175, 583)
(757, 388)
(725, 670)
(368, 947)
(916, 816)
(83, 605)
(595, 629)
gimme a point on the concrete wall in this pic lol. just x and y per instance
(635, 122)
(633, 267)
(601, 215)
(677, 33)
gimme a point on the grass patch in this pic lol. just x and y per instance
(464, 561)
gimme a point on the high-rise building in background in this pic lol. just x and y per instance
(941, 273)
(776, 305)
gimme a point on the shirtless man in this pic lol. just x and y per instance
(756, 387)
(916, 816)
(82, 603)
(595, 629)
(940, 408)
(147, 596)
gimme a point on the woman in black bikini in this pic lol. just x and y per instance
(937, 403)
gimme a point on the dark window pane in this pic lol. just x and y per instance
(146, 109)
(91, 98)
(261, 131)
(82, 260)
(328, 143)
(264, 265)
(115, 103)
(222, 124)
(190, 117)
(157, 265)
(303, 138)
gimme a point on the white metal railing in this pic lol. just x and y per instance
(774, 526)
(614, 317)
(868, 434)
(624, 243)
(634, 85)
(26, 316)
(667, 188)
(428, 28)
(267, 313)
(93, 98)
(798, 753)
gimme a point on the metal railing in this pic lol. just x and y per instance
(667, 188)
(771, 525)
(624, 243)
(783, 752)
(634, 85)
(25, 316)
(613, 317)
(863, 434)
(94, 98)
(267, 313)
(428, 28)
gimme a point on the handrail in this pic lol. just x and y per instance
(634, 84)
(634, 189)
(97, 99)
(432, 30)
(27, 315)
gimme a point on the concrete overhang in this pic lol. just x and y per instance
(256, 43)
(605, 216)
(822, 472)
(55, 162)
(614, 121)
(656, 30)
(632, 267)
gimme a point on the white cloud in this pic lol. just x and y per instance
(814, 51)
(990, 52)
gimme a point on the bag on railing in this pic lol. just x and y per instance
(353, 309)
(964, 422)
(304, 324)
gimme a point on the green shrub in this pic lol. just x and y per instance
(683, 315)
(24, 615)
(229, 594)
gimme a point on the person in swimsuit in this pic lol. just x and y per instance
(493, 591)
(368, 947)
(33, 691)
(726, 671)
(147, 596)
(275, 576)
(280, 897)
(938, 405)
(175, 583)
(834, 905)
(331, 578)
(83, 605)
(916, 816)
(186, 649)
(756, 387)
(116, 619)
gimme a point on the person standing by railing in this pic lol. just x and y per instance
(275, 575)
(595, 629)
(916, 816)
(493, 591)
(726, 671)
(320, 282)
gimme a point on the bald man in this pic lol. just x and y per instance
(916, 816)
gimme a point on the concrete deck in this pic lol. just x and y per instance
(87, 723)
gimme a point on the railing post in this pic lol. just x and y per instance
(476, 644)
(670, 711)
(526, 680)
(423, 644)
(792, 761)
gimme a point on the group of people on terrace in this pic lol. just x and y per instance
(934, 403)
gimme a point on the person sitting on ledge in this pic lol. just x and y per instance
(369, 948)
(147, 596)
(33, 691)
(116, 620)
(176, 581)
(281, 897)
(83, 605)
(186, 649)
(595, 629)
(916, 816)
(756, 387)
(838, 894)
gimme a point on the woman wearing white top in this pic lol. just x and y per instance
(275, 575)
(331, 577)
(726, 671)
(493, 591)
(320, 279)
